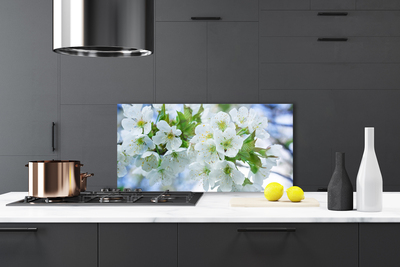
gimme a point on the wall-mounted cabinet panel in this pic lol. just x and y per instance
(232, 58)
(379, 244)
(28, 75)
(227, 10)
(314, 112)
(333, 4)
(308, 23)
(329, 76)
(378, 4)
(284, 4)
(50, 245)
(14, 174)
(106, 80)
(181, 62)
(138, 245)
(89, 134)
(356, 109)
(237, 245)
(309, 49)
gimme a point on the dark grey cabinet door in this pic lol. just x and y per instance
(181, 62)
(379, 244)
(28, 75)
(232, 58)
(138, 245)
(222, 245)
(61, 245)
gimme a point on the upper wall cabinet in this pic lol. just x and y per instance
(378, 4)
(28, 75)
(206, 51)
(307, 4)
(227, 10)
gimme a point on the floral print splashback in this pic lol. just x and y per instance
(204, 147)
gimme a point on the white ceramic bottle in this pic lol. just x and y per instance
(369, 177)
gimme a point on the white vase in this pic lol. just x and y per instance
(369, 177)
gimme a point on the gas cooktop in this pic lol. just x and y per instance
(117, 197)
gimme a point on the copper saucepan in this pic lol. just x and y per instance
(56, 178)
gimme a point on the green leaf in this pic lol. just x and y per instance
(247, 181)
(197, 116)
(187, 112)
(161, 114)
(182, 121)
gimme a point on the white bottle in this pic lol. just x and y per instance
(369, 177)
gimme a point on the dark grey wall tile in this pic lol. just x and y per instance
(308, 49)
(181, 62)
(284, 4)
(378, 4)
(333, 4)
(232, 74)
(89, 134)
(329, 76)
(228, 10)
(357, 109)
(106, 80)
(314, 112)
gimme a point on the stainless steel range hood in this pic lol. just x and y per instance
(103, 28)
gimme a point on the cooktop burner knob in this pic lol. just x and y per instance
(127, 190)
(105, 189)
(137, 190)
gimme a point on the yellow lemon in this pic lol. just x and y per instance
(273, 191)
(295, 194)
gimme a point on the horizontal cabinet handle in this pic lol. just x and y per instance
(266, 229)
(332, 39)
(18, 229)
(333, 13)
(206, 18)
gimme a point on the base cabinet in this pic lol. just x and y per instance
(137, 245)
(267, 245)
(48, 245)
(379, 244)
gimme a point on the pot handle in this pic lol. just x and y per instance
(26, 165)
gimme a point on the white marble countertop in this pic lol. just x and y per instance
(211, 208)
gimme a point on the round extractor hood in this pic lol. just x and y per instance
(103, 28)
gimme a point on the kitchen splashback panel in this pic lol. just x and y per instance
(204, 147)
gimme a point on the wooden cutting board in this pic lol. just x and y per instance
(263, 202)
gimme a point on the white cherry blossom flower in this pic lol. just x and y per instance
(169, 109)
(241, 117)
(228, 143)
(203, 133)
(222, 122)
(227, 175)
(121, 169)
(139, 122)
(267, 164)
(208, 152)
(168, 135)
(130, 111)
(148, 161)
(163, 174)
(199, 171)
(177, 160)
(207, 114)
(192, 152)
(137, 144)
(247, 188)
(258, 124)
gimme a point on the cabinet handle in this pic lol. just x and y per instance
(206, 18)
(333, 13)
(266, 229)
(52, 136)
(18, 229)
(332, 39)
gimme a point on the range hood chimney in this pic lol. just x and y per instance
(103, 28)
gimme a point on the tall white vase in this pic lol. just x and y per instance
(369, 177)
